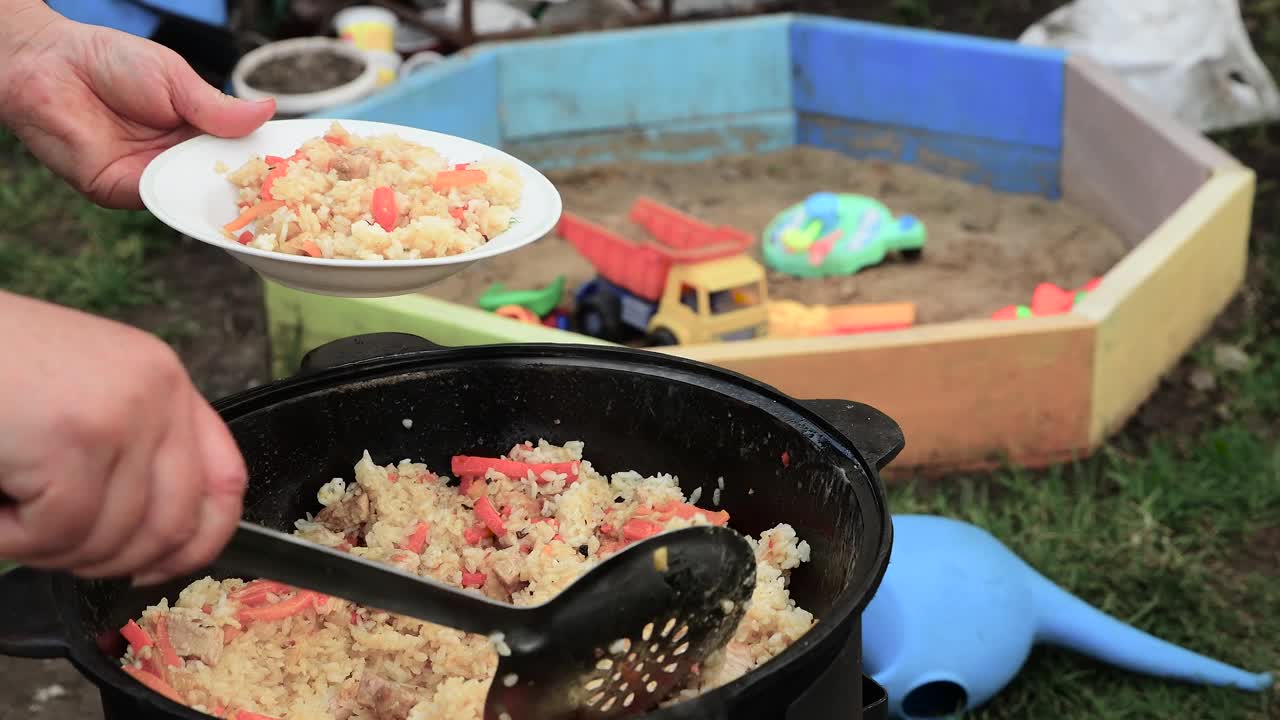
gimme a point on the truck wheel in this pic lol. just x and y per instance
(912, 255)
(600, 316)
(661, 337)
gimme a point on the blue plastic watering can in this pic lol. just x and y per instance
(957, 614)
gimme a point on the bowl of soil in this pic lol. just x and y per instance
(305, 75)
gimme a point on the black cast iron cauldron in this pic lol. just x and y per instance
(810, 463)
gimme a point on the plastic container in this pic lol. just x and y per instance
(295, 105)
(419, 61)
(367, 27)
(386, 64)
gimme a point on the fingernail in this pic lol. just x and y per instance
(148, 579)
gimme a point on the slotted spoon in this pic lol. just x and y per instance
(616, 643)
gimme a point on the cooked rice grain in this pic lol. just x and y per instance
(328, 190)
(337, 660)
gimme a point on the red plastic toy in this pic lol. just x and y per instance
(1048, 299)
(642, 268)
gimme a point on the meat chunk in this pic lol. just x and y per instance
(388, 700)
(354, 164)
(738, 661)
(404, 560)
(519, 502)
(348, 515)
(196, 636)
(507, 566)
(494, 589)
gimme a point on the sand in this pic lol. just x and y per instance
(984, 250)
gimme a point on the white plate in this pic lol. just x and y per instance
(182, 189)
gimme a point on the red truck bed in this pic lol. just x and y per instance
(641, 267)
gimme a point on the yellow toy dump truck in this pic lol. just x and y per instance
(693, 283)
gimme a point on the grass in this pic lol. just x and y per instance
(57, 247)
(1173, 530)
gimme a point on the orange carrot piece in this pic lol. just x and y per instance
(312, 249)
(465, 466)
(335, 140)
(153, 683)
(687, 511)
(418, 539)
(383, 207)
(256, 593)
(276, 173)
(137, 637)
(640, 529)
(279, 611)
(459, 214)
(486, 513)
(473, 535)
(273, 160)
(167, 654)
(229, 634)
(450, 179)
(472, 579)
(245, 238)
(261, 209)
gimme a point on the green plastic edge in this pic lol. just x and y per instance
(299, 322)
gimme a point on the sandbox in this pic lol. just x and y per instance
(1037, 127)
(985, 249)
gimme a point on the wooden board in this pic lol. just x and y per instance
(1162, 296)
(941, 82)
(456, 97)
(1124, 159)
(679, 141)
(301, 321)
(637, 78)
(968, 395)
(1000, 166)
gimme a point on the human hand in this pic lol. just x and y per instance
(96, 105)
(112, 463)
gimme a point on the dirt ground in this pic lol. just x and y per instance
(984, 250)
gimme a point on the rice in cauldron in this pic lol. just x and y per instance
(517, 529)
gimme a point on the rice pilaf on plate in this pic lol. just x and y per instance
(370, 198)
(517, 529)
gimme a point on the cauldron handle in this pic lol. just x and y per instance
(837, 686)
(30, 625)
(363, 347)
(876, 436)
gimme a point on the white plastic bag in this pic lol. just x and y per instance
(565, 12)
(488, 16)
(1191, 57)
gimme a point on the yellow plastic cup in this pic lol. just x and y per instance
(367, 27)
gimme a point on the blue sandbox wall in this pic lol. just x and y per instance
(985, 111)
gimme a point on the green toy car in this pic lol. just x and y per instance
(838, 234)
